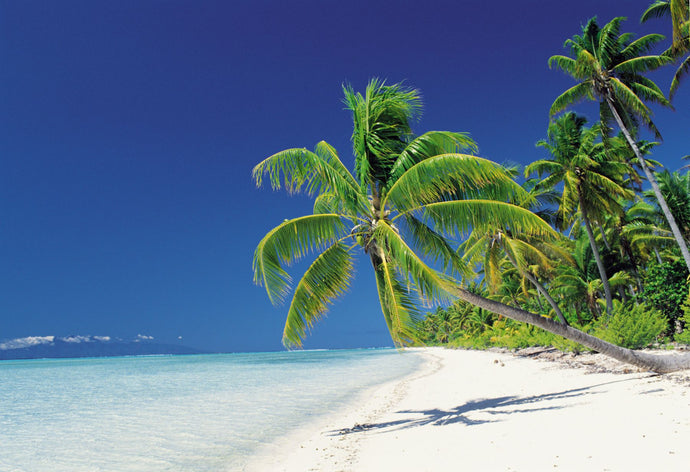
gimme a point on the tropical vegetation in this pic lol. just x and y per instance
(577, 254)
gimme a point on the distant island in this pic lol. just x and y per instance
(52, 347)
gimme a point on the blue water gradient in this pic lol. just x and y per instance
(173, 413)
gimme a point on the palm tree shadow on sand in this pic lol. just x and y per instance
(496, 407)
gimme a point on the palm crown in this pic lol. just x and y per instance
(409, 198)
(609, 68)
(679, 13)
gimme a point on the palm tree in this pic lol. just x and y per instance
(591, 182)
(679, 13)
(488, 248)
(608, 66)
(676, 190)
(643, 231)
(405, 192)
(577, 283)
(398, 219)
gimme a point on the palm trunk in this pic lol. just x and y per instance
(603, 236)
(597, 258)
(626, 251)
(655, 185)
(540, 288)
(661, 364)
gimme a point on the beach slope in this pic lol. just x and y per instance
(490, 411)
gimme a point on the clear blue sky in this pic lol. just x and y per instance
(129, 128)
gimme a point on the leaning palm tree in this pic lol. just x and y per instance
(609, 68)
(405, 192)
(407, 197)
(679, 13)
(591, 181)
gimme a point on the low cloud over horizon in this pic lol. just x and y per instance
(29, 341)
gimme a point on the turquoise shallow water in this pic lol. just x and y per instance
(173, 413)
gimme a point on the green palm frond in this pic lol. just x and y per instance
(564, 63)
(433, 245)
(398, 305)
(682, 71)
(492, 267)
(312, 172)
(289, 242)
(543, 166)
(608, 41)
(297, 166)
(328, 202)
(456, 218)
(431, 144)
(642, 45)
(327, 278)
(330, 155)
(641, 64)
(454, 176)
(524, 252)
(631, 101)
(559, 250)
(572, 96)
(658, 9)
(609, 188)
(431, 284)
(473, 247)
(620, 279)
(641, 233)
(648, 90)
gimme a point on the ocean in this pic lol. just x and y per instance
(174, 413)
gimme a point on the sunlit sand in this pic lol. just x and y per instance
(478, 410)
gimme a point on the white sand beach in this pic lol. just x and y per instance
(492, 411)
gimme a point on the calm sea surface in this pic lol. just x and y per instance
(176, 413)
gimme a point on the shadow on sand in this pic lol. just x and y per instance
(487, 407)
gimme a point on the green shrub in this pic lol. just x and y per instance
(665, 289)
(684, 337)
(632, 327)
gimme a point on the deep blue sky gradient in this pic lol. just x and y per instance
(129, 128)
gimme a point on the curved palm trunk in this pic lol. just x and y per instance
(540, 288)
(661, 364)
(655, 185)
(597, 258)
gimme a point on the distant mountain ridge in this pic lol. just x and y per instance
(53, 347)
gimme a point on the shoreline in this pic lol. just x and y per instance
(318, 445)
(499, 410)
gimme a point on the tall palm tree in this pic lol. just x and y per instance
(679, 13)
(676, 190)
(399, 220)
(591, 181)
(609, 68)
